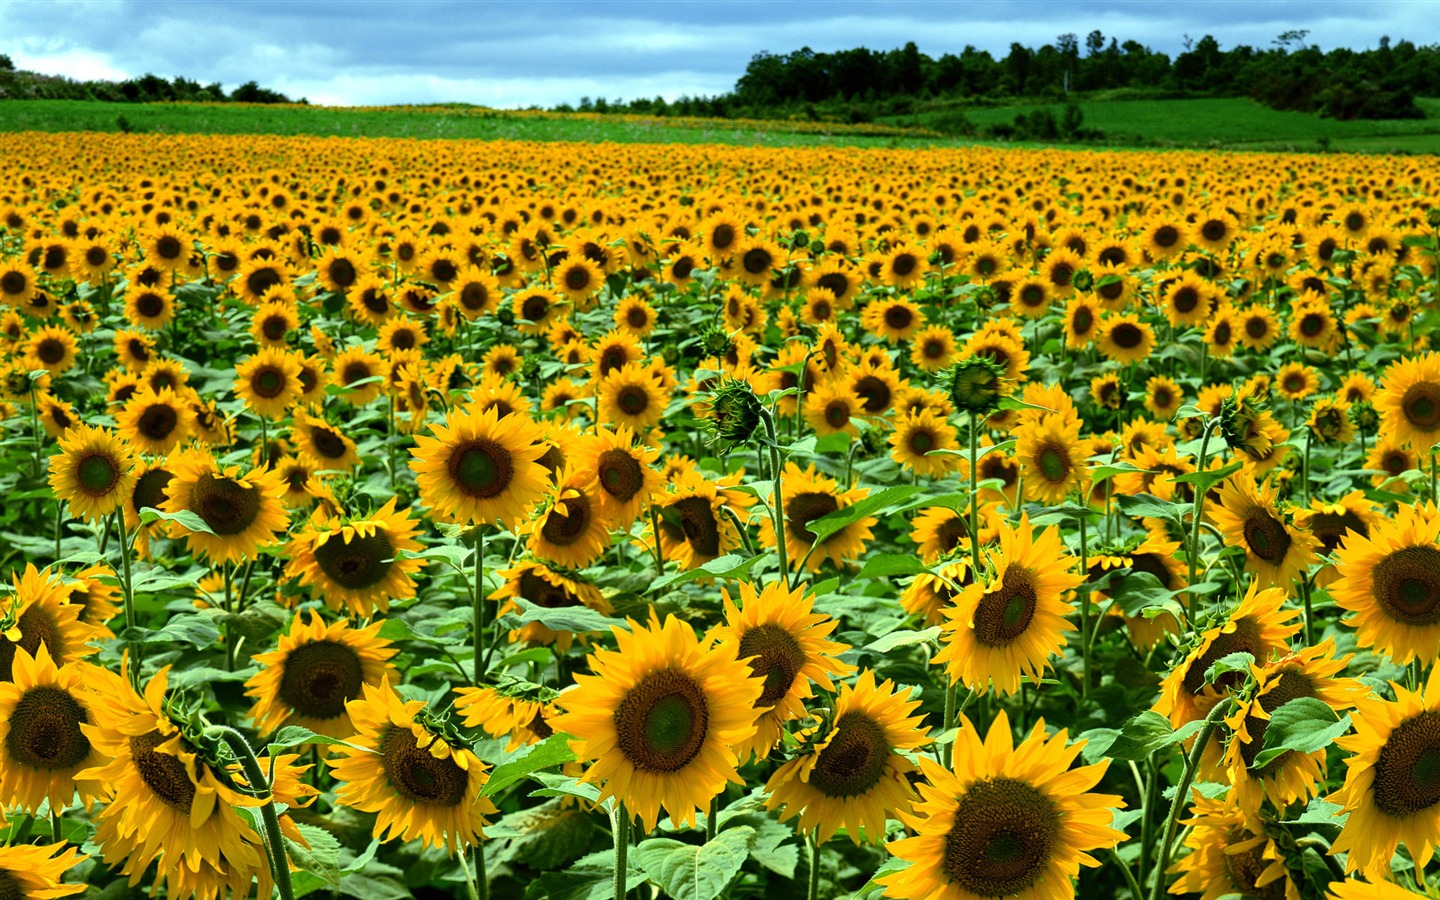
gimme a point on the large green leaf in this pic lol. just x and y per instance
(553, 751)
(689, 872)
(1304, 725)
(827, 525)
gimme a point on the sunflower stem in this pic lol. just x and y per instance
(478, 605)
(1309, 613)
(127, 591)
(777, 515)
(482, 877)
(1305, 473)
(974, 499)
(711, 826)
(1194, 550)
(1192, 764)
(1130, 881)
(620, 828)
(59, 527)
(655, 529)
(1084, 598)
(812, 890)
(947, 752)
(57, 834)
(255, 777)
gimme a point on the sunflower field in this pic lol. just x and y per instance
(456, 519)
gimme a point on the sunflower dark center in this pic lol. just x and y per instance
(577, 278)
(1111, 290)
(1054, 463)
(1246, 868)
(1166, 236)
(922, 441)
(636, 317)
(632, 400)
(1033, 295)
(158, 421)
(169, 247)
(682, 268)
(1266, 537)
(150, 489)
(613, 358)
(44, 730)
(262, 280)
(1245, 638)
(1002, 838)
(1407, 771)
(327, 443)
(481, 468)
(1214, 230)
(443, 271)
(227, 506)
(854, 760)
(904, 264)
(1152, 563)
(1406, 584)
(698, 525)
(541, 592)
(98, 474)
(13, 283)
(534, 308)
(1312, 324)
(1331, 528)
(1005, 613)
(564, 530)
(662, 723)
(357, 564)
(268, 382)
(802, 509)
(1291, 685)
(757, 260)
(620, 474)
(837, 414)
(319, 677)
(417, 774)
(1421, 405)
(1062, 274)
(723, 236)
(163, 773)
(374, 301)
(402, 339)
(1185, 300)
(775, 656)
(1127, 335)
(875, 392)
(899, 318)
(834, 282)
(1082, 321)
(474, 296)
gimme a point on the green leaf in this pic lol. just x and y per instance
(553, 751)
(731, 566)
(890, 565)
(1143, 506)
(337, 389)
(189, 628)
(578, 619)
(1304, 725)
(321, 858)
(1231, 662)
(873, 889)
(687, 872)
(292, 736)
(904, 638)
(557, 785)
(1142, 736)
(827, 525)
(1204, 481)
(184, 517)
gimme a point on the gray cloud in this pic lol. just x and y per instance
(516, 54)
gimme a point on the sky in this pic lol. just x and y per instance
(516, 54)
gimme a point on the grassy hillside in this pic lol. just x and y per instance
(451, 121)
(1224, 122)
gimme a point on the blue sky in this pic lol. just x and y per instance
(516, 54)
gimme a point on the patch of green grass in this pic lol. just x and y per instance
(1230, 122)
(427, 122)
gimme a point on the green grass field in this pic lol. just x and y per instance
(433, 122)
(1227, 123)
(1232, 123)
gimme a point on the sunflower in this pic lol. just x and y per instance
(1164, 237)
(895, 319)
(480, 467)
(851, 772)
(522, 717)
(1332, 522)
(269, 382)
(151, 308)
(1329, 421)
(361, 374)
(17, 282)
(42, 707)
(1276, 552)
(37, 613)
(313, 672)
(423, 785)
(1392, 787)
(929, 595)
(326, 445)
(1051, 457)
(155, 421)
(1007, 821)
(876, 383)
(612, 352)
(242, 513)
(33, 872)
(632, 396)
(1293, 776)
(833, 407)
(939, 530)
(660, 718)
(1231, 855)
(1260, 626)
(1296, 381)
(1390, 583)
(572, 530)
(400, 335)
(619, 475)
(807, 496)
(755, 258)
(258, 276)
(1031, 298)
(1125, 339)
(1409, 400)
(1351, 889)
(1009, 626)
(93, 472)
(786, 645)
(92, 591)
(916, 435)
(357, 563)
(166, 800)
(1312, 324)
(52, 348)
(368, 301)
(534, 309)
(695, 526)
(1258, 327)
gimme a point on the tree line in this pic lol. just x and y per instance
(1289, 74)
(19, 84)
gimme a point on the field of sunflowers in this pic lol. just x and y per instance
(396, 518)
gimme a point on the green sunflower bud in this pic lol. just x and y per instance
(735, 412)
(976, 385)
(1365, 417)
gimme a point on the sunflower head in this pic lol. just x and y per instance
(735, 411)
(976, 385)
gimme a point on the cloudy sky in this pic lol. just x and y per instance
(546, 52)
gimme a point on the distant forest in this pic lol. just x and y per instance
(1379, 83)
(18, 84)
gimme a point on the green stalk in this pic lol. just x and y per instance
(777, 514)
(1194, 550)
(812, 890)
(1083, 594)
(655, 528)
(255, 777)
(620, 828)
(482, 878)
(947, 754)
(974, 498)
(1192, 764)
(1130, 881)
(127, 592)
(478, 605)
